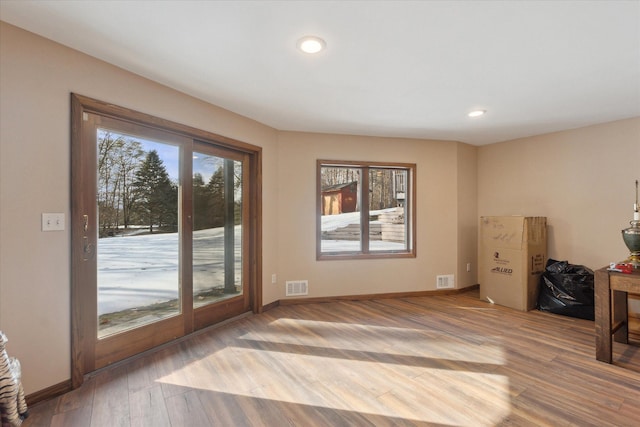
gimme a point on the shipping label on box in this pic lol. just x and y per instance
(538, 263)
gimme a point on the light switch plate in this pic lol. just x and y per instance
(52, 221)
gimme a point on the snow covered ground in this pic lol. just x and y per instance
(354, 246)
(139, 270)
(333, 222)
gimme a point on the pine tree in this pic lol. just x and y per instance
(200, 201)
(215, 189)
(156, 195)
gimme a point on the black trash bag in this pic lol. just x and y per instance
(567, 289)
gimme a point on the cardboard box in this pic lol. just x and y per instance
(512, 256)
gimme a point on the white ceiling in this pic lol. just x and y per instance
(391, 68)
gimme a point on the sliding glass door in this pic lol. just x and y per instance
(218, 238)
(160, 240)
(138, 250)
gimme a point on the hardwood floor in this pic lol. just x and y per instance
(441, 360)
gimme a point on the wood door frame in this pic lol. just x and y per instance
(79, 154)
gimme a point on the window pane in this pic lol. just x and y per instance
(378, 194)
(217, 229)
(340, 216)
(387, 223)
(138, 236)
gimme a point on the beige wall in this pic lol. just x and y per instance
(467, 193)
(36, 79)
(437, 212)
(582, 180)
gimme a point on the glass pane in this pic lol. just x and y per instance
(340, 216)
(217, 229)
(387, 199)
(137, 254)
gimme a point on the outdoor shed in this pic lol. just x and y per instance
(340, 198)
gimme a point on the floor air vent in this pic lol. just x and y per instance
(297, 287)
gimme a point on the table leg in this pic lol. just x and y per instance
(620, 317)
(603, 316)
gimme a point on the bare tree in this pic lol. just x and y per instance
(119, 158)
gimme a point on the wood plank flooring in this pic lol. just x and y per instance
(425, 361)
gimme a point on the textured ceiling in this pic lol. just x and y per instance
(391, 68)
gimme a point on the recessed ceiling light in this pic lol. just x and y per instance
(477, 113)
(311, 44)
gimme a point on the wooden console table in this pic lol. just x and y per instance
(611, 317)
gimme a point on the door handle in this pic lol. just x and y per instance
(87, 249)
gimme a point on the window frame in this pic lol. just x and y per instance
(365, 251)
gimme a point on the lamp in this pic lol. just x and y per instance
(631, 235)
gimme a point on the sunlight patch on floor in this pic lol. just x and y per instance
(433, 386)
(371, 338)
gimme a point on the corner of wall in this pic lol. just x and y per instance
(467, 203)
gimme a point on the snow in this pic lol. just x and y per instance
(139, 270)
(354, 246)
(142, 269)
(333, 222)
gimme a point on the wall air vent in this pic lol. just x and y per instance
(297, 287)
(445, 281)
